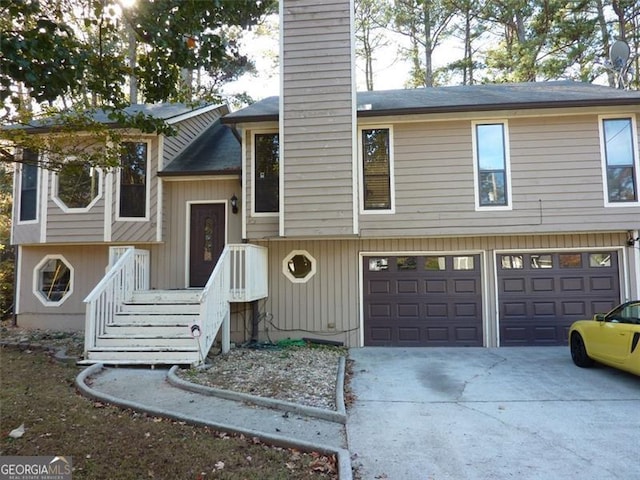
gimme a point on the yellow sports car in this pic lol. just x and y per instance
(612, 339)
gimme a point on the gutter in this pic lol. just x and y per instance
(199, 174)
(498, 106)
(490, 107)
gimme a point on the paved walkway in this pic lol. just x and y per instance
(148, 390)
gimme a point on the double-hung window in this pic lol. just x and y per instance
(377, 170)
(491, 165)
(619, 159)
(266, 174)
(133, 180)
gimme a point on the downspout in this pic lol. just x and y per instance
(255, 320)
(635, 263)
(14, 322)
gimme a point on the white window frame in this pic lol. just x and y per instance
(392, 181)
(603, 159)
(36, 280)
(147, 185)
(18, 195)
(62, 205)
(289, 275)
(271, 131)
(507, 161)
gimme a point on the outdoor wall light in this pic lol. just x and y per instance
(630, 239)
(234, 203)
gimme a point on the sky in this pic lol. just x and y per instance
(390, 73)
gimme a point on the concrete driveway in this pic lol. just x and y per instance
(476, 413)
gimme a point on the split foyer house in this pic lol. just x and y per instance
(485, 215)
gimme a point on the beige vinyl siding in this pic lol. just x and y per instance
(187, 131)
(556, 181)
(138, 230)
(317, 119)
(89, 263)
(169, 258)
(24, 234)
(72, 226)
(308, 309)
(333, 295)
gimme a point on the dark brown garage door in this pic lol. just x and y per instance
(422, 300)
(541, 294)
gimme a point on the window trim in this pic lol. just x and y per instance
(289, 275)
(36, 280)
(603, 159)
(507, 165)
(18, 204)
(392, 182)
(270, 131)
(56, 199)
(146, 217)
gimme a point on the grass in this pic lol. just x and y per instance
(108, 442)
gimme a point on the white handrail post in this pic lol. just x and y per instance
(226, 334)
(115, 288)
(90, 330)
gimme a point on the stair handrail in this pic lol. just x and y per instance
(215, 310)
(108, 296)
(239, 275)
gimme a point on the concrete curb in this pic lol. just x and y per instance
(343, 456)
(338, 416)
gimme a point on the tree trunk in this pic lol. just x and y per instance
(602, 23)
(468, 54)
(428, 45)
(133, 80)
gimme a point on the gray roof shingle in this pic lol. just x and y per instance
(463, 98)
(215, 152)
(161, 111)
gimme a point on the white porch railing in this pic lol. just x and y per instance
(130, 272)
(141, 274)
(214, 307)
(248, 273)
(239, 276)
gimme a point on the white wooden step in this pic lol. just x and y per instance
(166, 296)
(178, 309)
(156, 343)
(146, 319)
(143, 356)
(141, 329)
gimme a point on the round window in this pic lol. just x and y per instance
(53, 278)
(299, 266)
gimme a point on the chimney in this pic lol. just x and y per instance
(317, 118)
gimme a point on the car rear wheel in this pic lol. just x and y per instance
(579, 352)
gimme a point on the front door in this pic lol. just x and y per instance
(207, 234)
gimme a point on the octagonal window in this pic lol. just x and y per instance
(299, 266)
(53, 280)
(77, 186)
